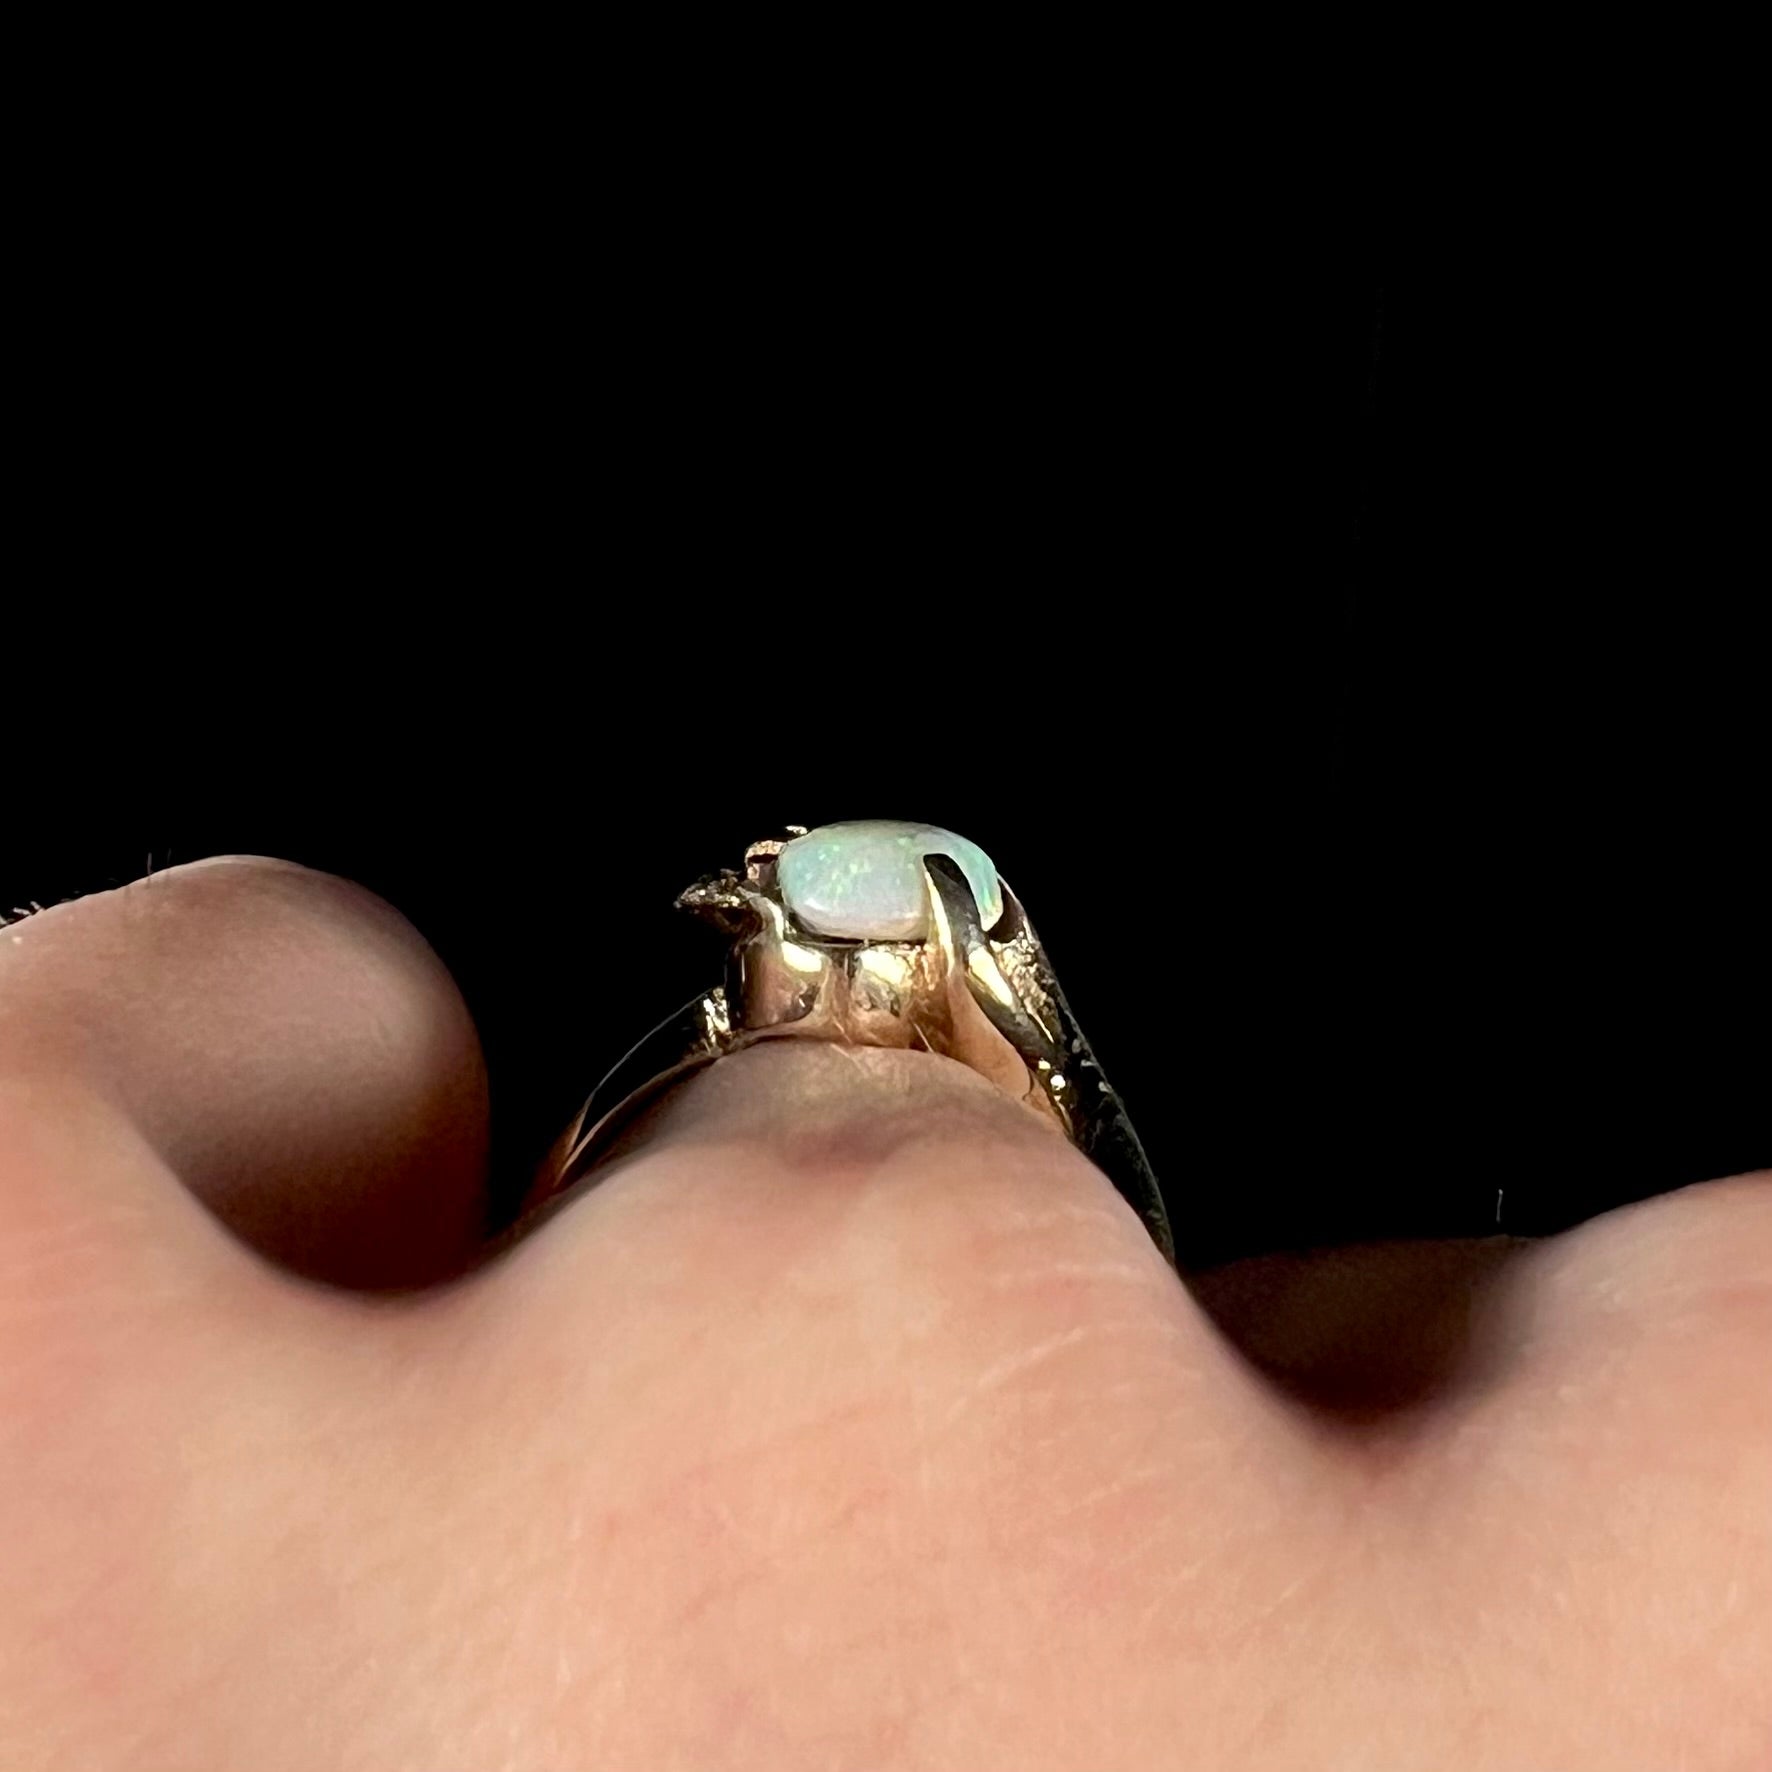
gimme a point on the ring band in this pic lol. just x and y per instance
(878, 934)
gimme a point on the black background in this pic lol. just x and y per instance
(1332, 606)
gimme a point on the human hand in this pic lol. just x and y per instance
(848, 1423)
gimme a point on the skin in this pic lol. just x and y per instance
(851, 1422)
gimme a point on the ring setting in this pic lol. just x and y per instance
(878, 933)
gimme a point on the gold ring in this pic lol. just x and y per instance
(878, 933)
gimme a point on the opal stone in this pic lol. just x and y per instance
(864, 879)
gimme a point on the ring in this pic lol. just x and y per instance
(877, 933)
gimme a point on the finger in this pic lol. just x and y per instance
(1658, 1314)
(281, 1042)
(853, 1347)
(1361, 1332)
(853, 1405)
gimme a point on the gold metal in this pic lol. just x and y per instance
(987, 998)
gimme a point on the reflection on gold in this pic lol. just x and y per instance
(883, 980)
(941, 934)
(884, 966)
(982, 965)
(805, 960)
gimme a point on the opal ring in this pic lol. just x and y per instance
(878, 933)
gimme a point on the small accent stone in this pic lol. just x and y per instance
(864, 878)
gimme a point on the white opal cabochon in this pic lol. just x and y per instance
(864, 879)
